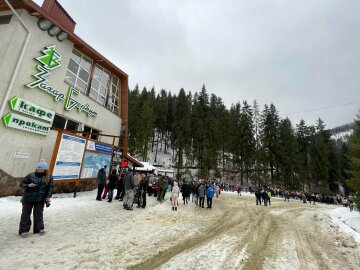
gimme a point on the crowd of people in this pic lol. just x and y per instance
(133, 188)
(264, 194)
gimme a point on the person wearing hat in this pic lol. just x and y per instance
(38, 188)
(101, 179)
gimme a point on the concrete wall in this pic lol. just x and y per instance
(10, 186)
(13, 140)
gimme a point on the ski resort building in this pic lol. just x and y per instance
(61, 100)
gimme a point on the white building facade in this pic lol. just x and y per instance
(52, 80)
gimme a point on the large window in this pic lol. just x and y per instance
(95, 132)
(104, 86)
(113, 100)
(78, 72)
(5, 19)
(64, 123)
(99, 85)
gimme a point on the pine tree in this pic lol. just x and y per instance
(303, 142)
(134, 125)
(247, 141)
(269, 134)
(288, 155)
(354, 157)
(319, 155)
(181, 128)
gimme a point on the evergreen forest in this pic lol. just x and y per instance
(256, 143)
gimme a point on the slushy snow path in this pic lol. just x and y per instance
(83, 233)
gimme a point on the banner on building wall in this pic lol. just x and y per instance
(17, 121)
(99, 147)
(69, 157)
(21, 105)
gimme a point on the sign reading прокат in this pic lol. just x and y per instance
(21, 122)
(29, 108)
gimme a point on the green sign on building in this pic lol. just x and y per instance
(17, 121)
(21, 105)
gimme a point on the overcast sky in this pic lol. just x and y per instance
(300, 55)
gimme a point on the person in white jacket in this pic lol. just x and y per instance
(175, 196)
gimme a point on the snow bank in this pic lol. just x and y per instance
(348, 222)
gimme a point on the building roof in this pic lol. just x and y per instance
(136, 162)
(147, 167)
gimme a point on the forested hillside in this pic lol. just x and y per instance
(197, 130)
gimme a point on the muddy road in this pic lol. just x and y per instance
(236, 234)
(281, 236)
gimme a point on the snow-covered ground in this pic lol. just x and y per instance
(83, 233)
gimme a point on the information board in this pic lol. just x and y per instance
(93, 162)
(69, 157)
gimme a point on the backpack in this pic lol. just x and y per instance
(210, 192)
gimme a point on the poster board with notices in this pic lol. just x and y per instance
(69, 157)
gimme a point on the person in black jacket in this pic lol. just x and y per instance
(258, 196)
(185, 191)
(38, 188)
(144, 182)
(111, 185)
(101, 180)
(120, 188)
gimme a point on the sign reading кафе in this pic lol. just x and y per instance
(29, 108)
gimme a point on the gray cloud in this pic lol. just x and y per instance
(300, 55)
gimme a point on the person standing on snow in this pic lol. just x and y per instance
(264, 197)
(239, 190)
(144, 182)
(113, 178)
(175, 196)
(209, 195)
(269, 196)
(162, 188)
(185, 190)
(101, 180)
(258, 196)
(217, 190)
(38, 188)
(129, 189)
(201, 190)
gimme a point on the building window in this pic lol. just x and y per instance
(113, 101)
(78, 72)
(5, 19)
(94, 136)
(99, 85)
(64, 123)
